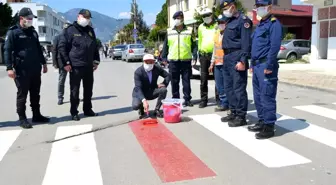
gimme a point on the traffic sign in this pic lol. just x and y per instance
(135, 31)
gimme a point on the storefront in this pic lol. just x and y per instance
(323, 38)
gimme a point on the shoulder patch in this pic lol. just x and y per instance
(273, 19)
(247, 25)
(90, 33)
(244, 17)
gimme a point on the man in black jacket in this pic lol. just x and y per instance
(56, 63)
(146, 86)
(24, 59)
(80, 56)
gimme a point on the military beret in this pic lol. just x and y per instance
(263, 2)
(224, 3)
(178, 13)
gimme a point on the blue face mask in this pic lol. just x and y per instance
(262, 11)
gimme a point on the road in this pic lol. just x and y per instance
(198, 151)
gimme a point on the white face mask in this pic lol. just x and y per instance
(148, 67)
(207, 20)
(262, 11)
(228, 13)
(28, 23)
(83, 22)
(221, 27)
(178, 22)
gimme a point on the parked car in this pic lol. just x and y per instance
(293, 49)
(133, 52)
(116, 51)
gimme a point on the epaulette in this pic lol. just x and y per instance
(273, 19)
(13, 27)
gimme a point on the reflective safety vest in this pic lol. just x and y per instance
(179, 44)
(218, 50)
(205, 38)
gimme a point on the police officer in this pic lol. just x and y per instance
(24, 60)
(179, 49)
(79, 51)
(206, 33)
(236, 45)
(264, 64)
(57, 62)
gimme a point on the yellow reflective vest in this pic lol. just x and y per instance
(179, 44)
(205, 38)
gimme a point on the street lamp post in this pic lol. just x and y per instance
(134, 17)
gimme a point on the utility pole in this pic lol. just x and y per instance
(134, 19)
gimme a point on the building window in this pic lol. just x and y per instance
(200, 2)
(275, 2)
(186, 5)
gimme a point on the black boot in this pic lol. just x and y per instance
(238, 121)
(203, 104)
(229, 117)
(266, 132)
(60, 102)
(220, 108)
(158, 113)
(24, 123)
(256, 127)
(75, 117)
(141, 112)
(38, 118)
(188, 104)
(90, 113)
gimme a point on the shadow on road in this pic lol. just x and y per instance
(96, 98)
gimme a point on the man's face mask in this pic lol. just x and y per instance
(207, 19)
(83, 21)
(228, 12)
(178, 22)
(28, 22)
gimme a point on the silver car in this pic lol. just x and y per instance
(133, 52)
(116, 51)
(293, 49)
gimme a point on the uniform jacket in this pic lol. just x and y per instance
(22, 49)
(55, 54)
(143, 88)
(78, 46)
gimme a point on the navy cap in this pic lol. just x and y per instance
(25, 12)
(177, 14)
(263, 2)
(222, 18)
(86, 13)
(224, 3)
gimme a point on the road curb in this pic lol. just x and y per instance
(305, 86)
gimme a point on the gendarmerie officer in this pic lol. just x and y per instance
(179, 49)
(79, 50)
(57, 62)
(264, 64)
(236, 45)
(24, 60)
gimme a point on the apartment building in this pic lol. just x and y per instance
(323, 37)
(49, 22)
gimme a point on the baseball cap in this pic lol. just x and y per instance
(148, 57)
(25, 12)
(86, 13)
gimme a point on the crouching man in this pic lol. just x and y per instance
(146, 87)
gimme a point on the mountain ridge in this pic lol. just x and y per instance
(105, 26)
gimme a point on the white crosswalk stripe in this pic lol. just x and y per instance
(76, 160)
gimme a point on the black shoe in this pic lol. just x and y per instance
(75, 117)
(188, 104)
(158, 114)
(203, 105)
(40, 119)
(90, 113)
(221, 108)
(24, 123)
(229, 117)
(237, 122)
(256, 127)
(60, 102)
(267, 131)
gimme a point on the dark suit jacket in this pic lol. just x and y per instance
(55, 54)
(143, 88)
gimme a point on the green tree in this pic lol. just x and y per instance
(5, 18)
(217, 11)
(162, 17)
(137, 17)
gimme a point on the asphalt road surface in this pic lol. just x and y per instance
(199, 151)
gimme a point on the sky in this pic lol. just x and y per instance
(113, 8)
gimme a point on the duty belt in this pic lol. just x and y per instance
(259, 61)
(228, 51)
(205, 54)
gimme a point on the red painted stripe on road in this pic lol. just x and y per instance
(171, 159)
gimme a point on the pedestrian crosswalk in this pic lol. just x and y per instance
(77, 160)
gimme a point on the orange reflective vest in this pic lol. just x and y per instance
(218, 50)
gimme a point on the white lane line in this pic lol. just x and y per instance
(266, 152)
(314, 132)
(75, 160)
(318, 110)
(7, 138)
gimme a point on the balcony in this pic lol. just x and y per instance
(319, 3)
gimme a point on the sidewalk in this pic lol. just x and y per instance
(309, 76)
